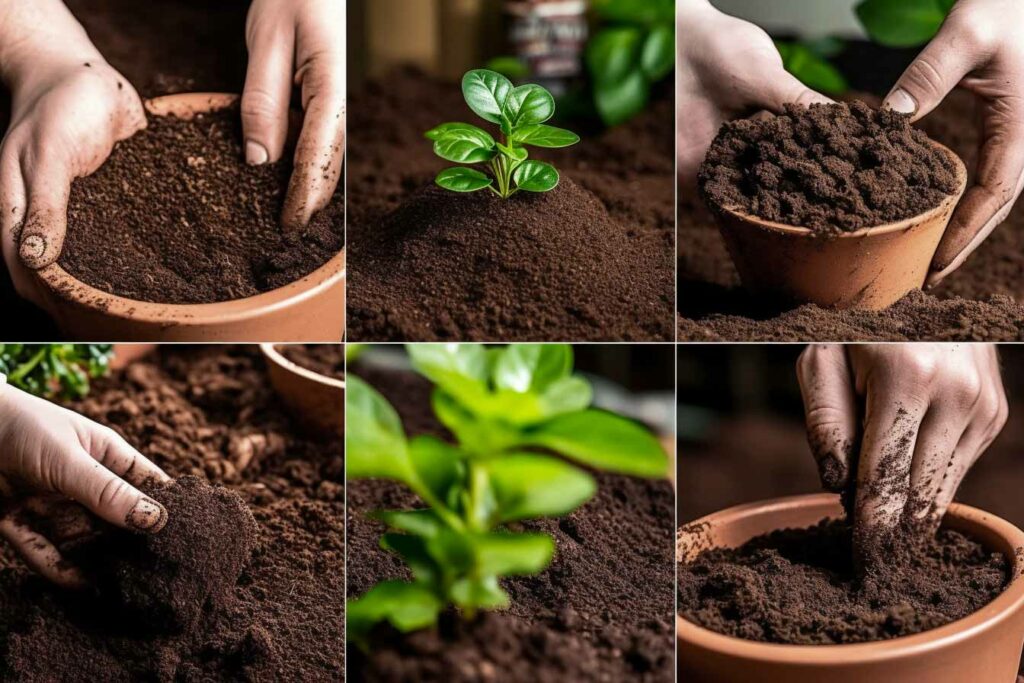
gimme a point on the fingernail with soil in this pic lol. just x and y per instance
(147, 515)
(32, 249)
(255, 153)
(901, 101)
(832, 472)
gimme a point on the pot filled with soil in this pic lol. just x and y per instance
(767, 591)
(175, 238)
(838, 205)
(310, 380)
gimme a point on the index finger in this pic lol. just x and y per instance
(318, 159)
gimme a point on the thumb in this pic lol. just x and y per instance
(937, 70)
(831, 411)
(782, 88)
(46, 219)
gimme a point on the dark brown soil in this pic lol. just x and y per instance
(601, 612)
(325, 359)
(828, 167)
(799, 586)
(175, 215)
(588, 261)
(195, 411)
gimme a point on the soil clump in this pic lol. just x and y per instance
(323, 359)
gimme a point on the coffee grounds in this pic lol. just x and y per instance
(798, 586)
(175, 215)
(324, 359)
(198, 411)
(590, 260)
(601, 612)
(828, 167)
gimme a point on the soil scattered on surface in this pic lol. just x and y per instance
(601, 611)
(798, 586)
(175, 215)
(323, 359)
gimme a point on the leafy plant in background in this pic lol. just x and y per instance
(903, 23)
(633, 49)
(520, 112)
(808, 61)
(510, 410)
(54, 370)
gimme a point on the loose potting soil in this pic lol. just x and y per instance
(828, 167)
(175, 215)
(601, 612)
(798, 586)
(325, 359)
(204, 413)
(590, 260)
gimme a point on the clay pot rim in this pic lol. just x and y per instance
(946, 204)
(66, 286)
(988, 617)
(271, 353)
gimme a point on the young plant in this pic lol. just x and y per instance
(520, 113)
(54, 370)
(808, 61)
(519, 419)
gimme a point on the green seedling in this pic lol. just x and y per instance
(54, 370)
(520, 113)
(808, 61)
(903, 23)
(520, 420)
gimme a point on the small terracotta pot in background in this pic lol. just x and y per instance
(126, 354)
(311, 309)
(317, 401)
(983, 647)
(870, 268)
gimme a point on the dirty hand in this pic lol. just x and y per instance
(726, 68)
(304, 41)
(55, 462)
(981, 48)
(900, 424)
(69, 107)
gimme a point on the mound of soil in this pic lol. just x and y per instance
(828, 167)
(175, 215)
(601, 612)
(591, 260)
(799, 586)
(324, 359)
(193, 411)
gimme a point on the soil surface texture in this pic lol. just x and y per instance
(591, 260)
(799, 586)
(601, 612)
(175, 215)
(828, 167)
(324, 359)
(203, 415)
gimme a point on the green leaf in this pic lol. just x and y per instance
(511, 67)
(460, 369)
(532, 367)
(406, 606)
(437, 464)
(462, 179)
(414, 552)
(485, 92)
(658, 56)
(541, 135)
(602, 440)
(535, 176)
(811, 70)
(462, 143)
(528, 104)
(482, 593)
(506, 554)
(465, 130)
(423, 522)
(613, 55)
(902, 23)
(619, 102)
(825, 47)
(635, 11)
(565, 396)
(514, 153)
(375, 443)
(528, 485)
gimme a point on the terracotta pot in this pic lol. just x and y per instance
(870, 268)
(126, 354)
(311, 309)
(982, 648)
(317, 401)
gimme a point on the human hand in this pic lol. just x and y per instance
(302, 40)
(981, 48)
(726, 68)
(54, 465)
(900, 424)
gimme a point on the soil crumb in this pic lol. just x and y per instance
(323, 359)
(828, 167)
(175, 215)
(799, 586)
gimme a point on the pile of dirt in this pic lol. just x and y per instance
(175, 215)
(198, 412)
(799, 586)
(590, 260)
(828, 167)
(602, 610)
(323, 359)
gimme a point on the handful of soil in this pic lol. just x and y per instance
(799, 586)
(828, 167)
(324, 359)
(176, 216)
